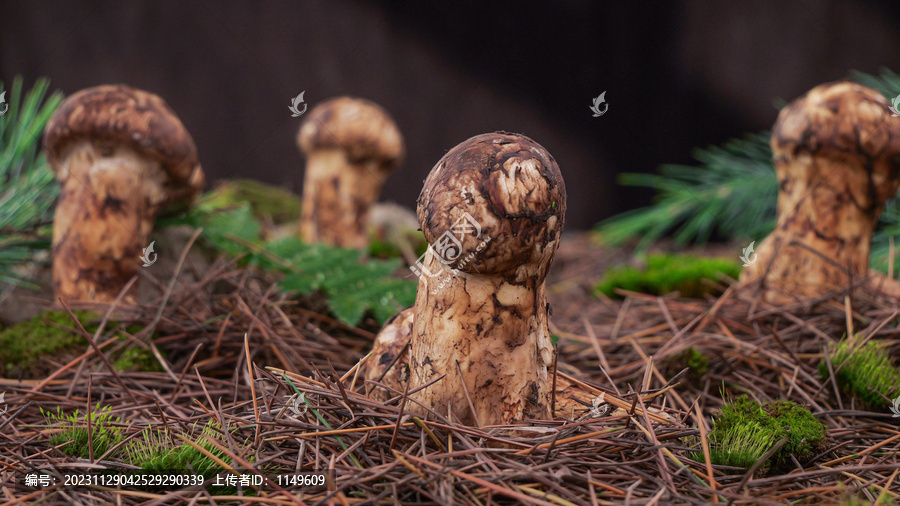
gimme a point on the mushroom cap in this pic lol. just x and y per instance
(362, 129)
(845, 121)
(510, 188)
(122, 115)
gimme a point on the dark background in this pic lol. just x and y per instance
(677, 74)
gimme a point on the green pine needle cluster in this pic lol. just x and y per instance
(744, 430)
(866, 372)
(27, 185)
(667, 273)
(731, 194)
(72, 431)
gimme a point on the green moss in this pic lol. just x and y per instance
(693, 359)
(667, 273)
(72, 431)
(23, 345)
(136, 358)
(158, 450)
(267, 202)
(384, 247)
(866, 372)
(744, 430)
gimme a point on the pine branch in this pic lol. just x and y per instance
(731, 193)
(27, 185)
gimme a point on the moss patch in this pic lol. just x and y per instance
(667, 273)
(384, 247)
(743, 431)
(136, 358)
(866, 372)
(23, 345)
(154, 450)
(693, 359)
(267, 202)
(72, 431)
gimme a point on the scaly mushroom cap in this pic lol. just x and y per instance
(116, 114)
(360, 128)
(843, 121)
(512, 189)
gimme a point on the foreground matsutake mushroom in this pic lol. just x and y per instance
(351, 145)
(120, 155)
(492, 209)
(836, 157)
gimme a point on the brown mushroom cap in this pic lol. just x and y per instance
(359, 127)
(512, 188)
(120, 115)
(845, 121)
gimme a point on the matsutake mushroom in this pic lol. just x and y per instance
(120, 155)
(492, 210)
(351, 146)
(836, 155)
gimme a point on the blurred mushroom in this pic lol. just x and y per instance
(492, 209)
(351, 145)
(120, 154)
(836, 157)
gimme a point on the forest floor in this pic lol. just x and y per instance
(237, 354)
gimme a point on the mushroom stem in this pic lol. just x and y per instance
(489, 336)
(351, 145)
(835, 152)
(106, 211)
(337, 196)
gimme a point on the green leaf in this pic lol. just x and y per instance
(351, 284)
